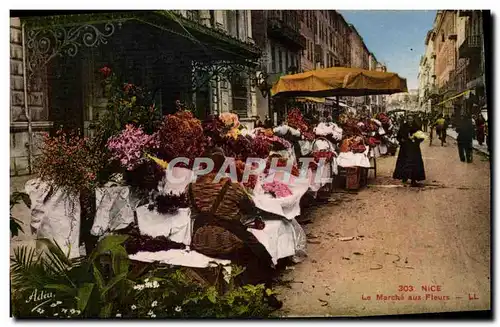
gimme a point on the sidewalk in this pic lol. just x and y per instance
(481, 148)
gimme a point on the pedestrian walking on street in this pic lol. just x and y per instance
(447, 122)
(465, 130)
(409, 165)
(425, 122)
(440, 125)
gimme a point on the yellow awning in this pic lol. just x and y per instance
(454, 97)
(340, 81)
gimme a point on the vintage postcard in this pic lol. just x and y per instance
(250, 163)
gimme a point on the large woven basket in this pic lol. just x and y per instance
(205, 192)
(215, 241)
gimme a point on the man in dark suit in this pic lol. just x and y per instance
(465, 130)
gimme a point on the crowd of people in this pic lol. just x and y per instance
(409, 164)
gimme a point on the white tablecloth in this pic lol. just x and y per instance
(350, 159)
(177, 227)
(178, 257)
(281, 238)
(57, 217)
(114, 210)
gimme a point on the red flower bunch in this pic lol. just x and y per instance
(309, 136)
(127, 87)
(358, 148)
(105, 71)
(328, 155)
(240, 170)
(384, 119)
(181, 135)
(277, 143)
(69, 161)
(282, 162)
(373, 141)
(215, 130)
(245, 147)
(262, 145)
(296, 120)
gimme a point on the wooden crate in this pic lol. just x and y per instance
(353, 178)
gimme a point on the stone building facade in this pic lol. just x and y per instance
(360, 58)
(67, 90)
(427, 75)
(277, 33)
(328, 42)
(28, 117)
(308, 26)
(453, 62)
(445, 46)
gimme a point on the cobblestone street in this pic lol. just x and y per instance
(389, 240)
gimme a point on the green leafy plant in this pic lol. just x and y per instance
(86, 284)
(127, 104)
(105, 285)
(169, 293)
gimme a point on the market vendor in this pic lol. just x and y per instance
(258, 122)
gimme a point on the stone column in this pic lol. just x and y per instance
(219, 19)
(205, 18)
(249, 24)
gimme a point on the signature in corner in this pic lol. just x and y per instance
(37, 296)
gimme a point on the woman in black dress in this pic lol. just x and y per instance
(409, 165)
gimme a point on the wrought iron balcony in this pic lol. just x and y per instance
(280, 29)
(471, 47)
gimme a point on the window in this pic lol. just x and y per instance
(240, 95)
(286, 62)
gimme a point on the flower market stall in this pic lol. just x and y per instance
(182, 213)
(362, 138)
(177, 191)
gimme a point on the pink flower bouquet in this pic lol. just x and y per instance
(129, 146)
(277, 189)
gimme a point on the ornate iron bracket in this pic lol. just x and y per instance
(45, 44)
(226, 70)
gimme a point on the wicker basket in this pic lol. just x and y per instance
(215, 241)
(205, 193)
(322, 139)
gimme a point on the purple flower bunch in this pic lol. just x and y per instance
(128, 147)
(277, 189)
